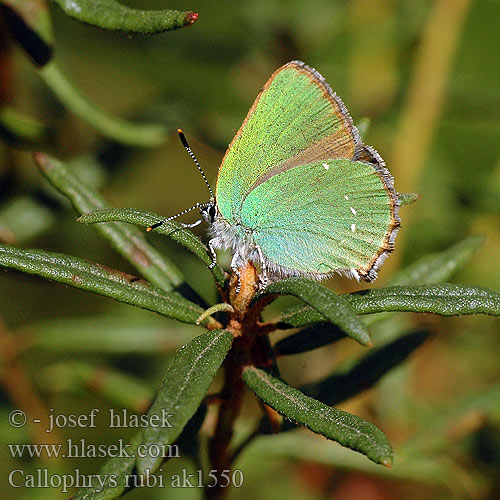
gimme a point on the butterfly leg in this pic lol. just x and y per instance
(263, 277)
(235, 264)
(194, 224)
(212, 245)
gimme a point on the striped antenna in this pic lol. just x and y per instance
(193, 157)
(198, 205)
(158, 224)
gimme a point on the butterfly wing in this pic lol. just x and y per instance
(337, 215)
(296, 119)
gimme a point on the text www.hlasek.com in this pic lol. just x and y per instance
(81, 449)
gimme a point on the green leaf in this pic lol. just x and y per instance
(306, 448)
(105, 334)
(348, 430)
(299, 315)
(111, 15)
(29, 23)
(182, 391)
(78, 377)
(118, 468)
(427, 270)
(17, 129)
(128, 241)
(439, 266)
(112, 127)
(308, 339)
(328, 305)
(407, 198)
(435, 436)
(99, 279)
(189, 439)
(446, 299)
(26, 218)
(367, 372)
(171, 228)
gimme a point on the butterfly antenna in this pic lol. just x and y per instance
(198, 205)
(158, 224)
(193, 157)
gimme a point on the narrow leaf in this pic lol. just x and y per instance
(407, 198)
(114, 473)
(367, 372)
(17, 129)
(182, 391)
(345, 428)
(99, 279)
(26, 218)
(29, 23)
(299, 315)
(439, 266)
(112, 127)
(306, 448)
(308, 339)
(189, 439)
(111, 15)
(326, 303)
(171, 228)
(128, 241)
(78, 377)
(447, 299)
(436, 433)
(430, 269)
(104, 334)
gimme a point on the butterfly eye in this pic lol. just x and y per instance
(212, 212)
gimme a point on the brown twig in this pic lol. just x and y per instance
(18, 385)
(250, 347)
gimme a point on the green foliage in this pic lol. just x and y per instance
(129, 242)
(105, 353)
(182, 391)
(171, 228)
(327, 305)
(439, 266)
(309, 338)
(120, 468)
(447, 299)
(99, 279)
(348, 430)
(20, 130)
(114, 128)
(365, 373)
(430, 269)
(111, 15)
(195, 365)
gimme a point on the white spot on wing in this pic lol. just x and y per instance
(355, 273)
(346, 197)
(327, 167)
(353, 227)
(353, 210)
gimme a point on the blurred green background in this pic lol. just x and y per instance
(427, 75)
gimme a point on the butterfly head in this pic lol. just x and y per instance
(209, 211)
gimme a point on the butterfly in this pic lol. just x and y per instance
(298, 193)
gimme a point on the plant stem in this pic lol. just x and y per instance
(249, 347)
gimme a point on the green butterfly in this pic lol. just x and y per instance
(298, 193)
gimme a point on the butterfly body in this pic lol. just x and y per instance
(298, 193)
